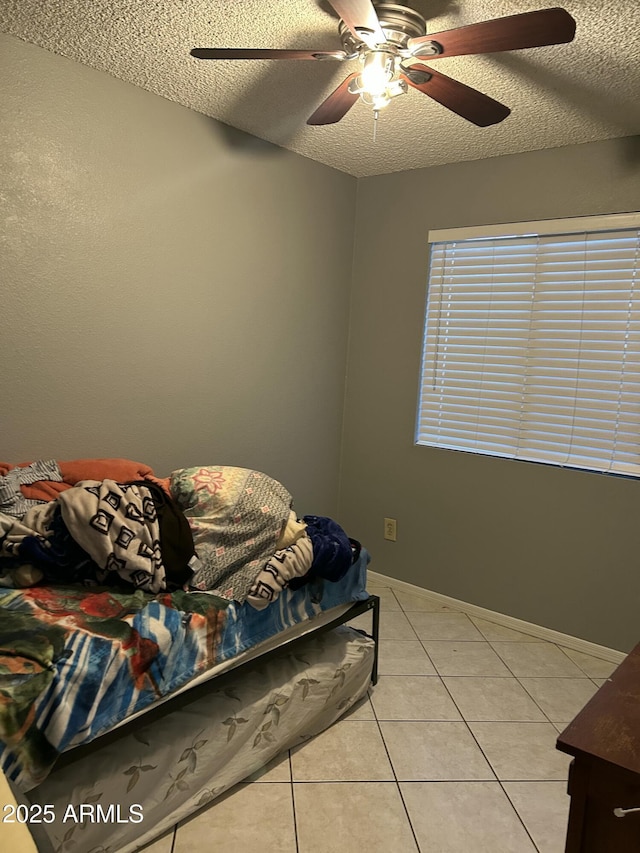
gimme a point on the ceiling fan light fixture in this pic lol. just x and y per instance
(396, 87)
(380, 103)
(380, 79)
(378, 71)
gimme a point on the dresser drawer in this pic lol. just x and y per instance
(597, 790)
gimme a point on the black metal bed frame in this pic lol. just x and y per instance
(356, 609)
(372, 603)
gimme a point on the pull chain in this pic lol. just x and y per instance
(375, 123)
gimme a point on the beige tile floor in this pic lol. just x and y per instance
(453, 751)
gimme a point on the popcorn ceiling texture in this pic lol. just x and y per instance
(561, 95)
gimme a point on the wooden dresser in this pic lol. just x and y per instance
(604, 776)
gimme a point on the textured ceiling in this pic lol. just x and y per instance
(579, 92)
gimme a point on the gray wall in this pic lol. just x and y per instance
(172, 291)
(560, 548)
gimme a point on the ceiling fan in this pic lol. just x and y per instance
(391, 42)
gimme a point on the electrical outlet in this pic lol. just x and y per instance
(390, 529)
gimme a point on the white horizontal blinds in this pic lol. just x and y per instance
(476, 344)
(582, 374)
(532, 348)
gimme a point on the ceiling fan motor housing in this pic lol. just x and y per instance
(399, 24)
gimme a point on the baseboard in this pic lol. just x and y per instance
(566, 640)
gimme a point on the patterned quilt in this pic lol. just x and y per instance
(105, 532)
(75, 662)
(236, 517)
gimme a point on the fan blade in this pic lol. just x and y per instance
(362, 19)
(477, 108)
(241, 53)
(530, 29)
(337, 105)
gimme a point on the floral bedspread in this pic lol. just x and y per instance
(75, 662)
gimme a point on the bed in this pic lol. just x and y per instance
(124, 708)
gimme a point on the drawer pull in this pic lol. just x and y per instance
(622, 812)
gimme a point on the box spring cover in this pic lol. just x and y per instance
(177, 761)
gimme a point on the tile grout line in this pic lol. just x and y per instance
(524, 687)
(395, 776)
(293, 802)
(533, 698)
(406, 811)
(575, 663)
(542, 711)
(512, 804)
(492, 643)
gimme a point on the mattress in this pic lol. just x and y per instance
(75, 664)
(123, 791)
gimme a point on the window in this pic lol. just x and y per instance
(532, 342)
